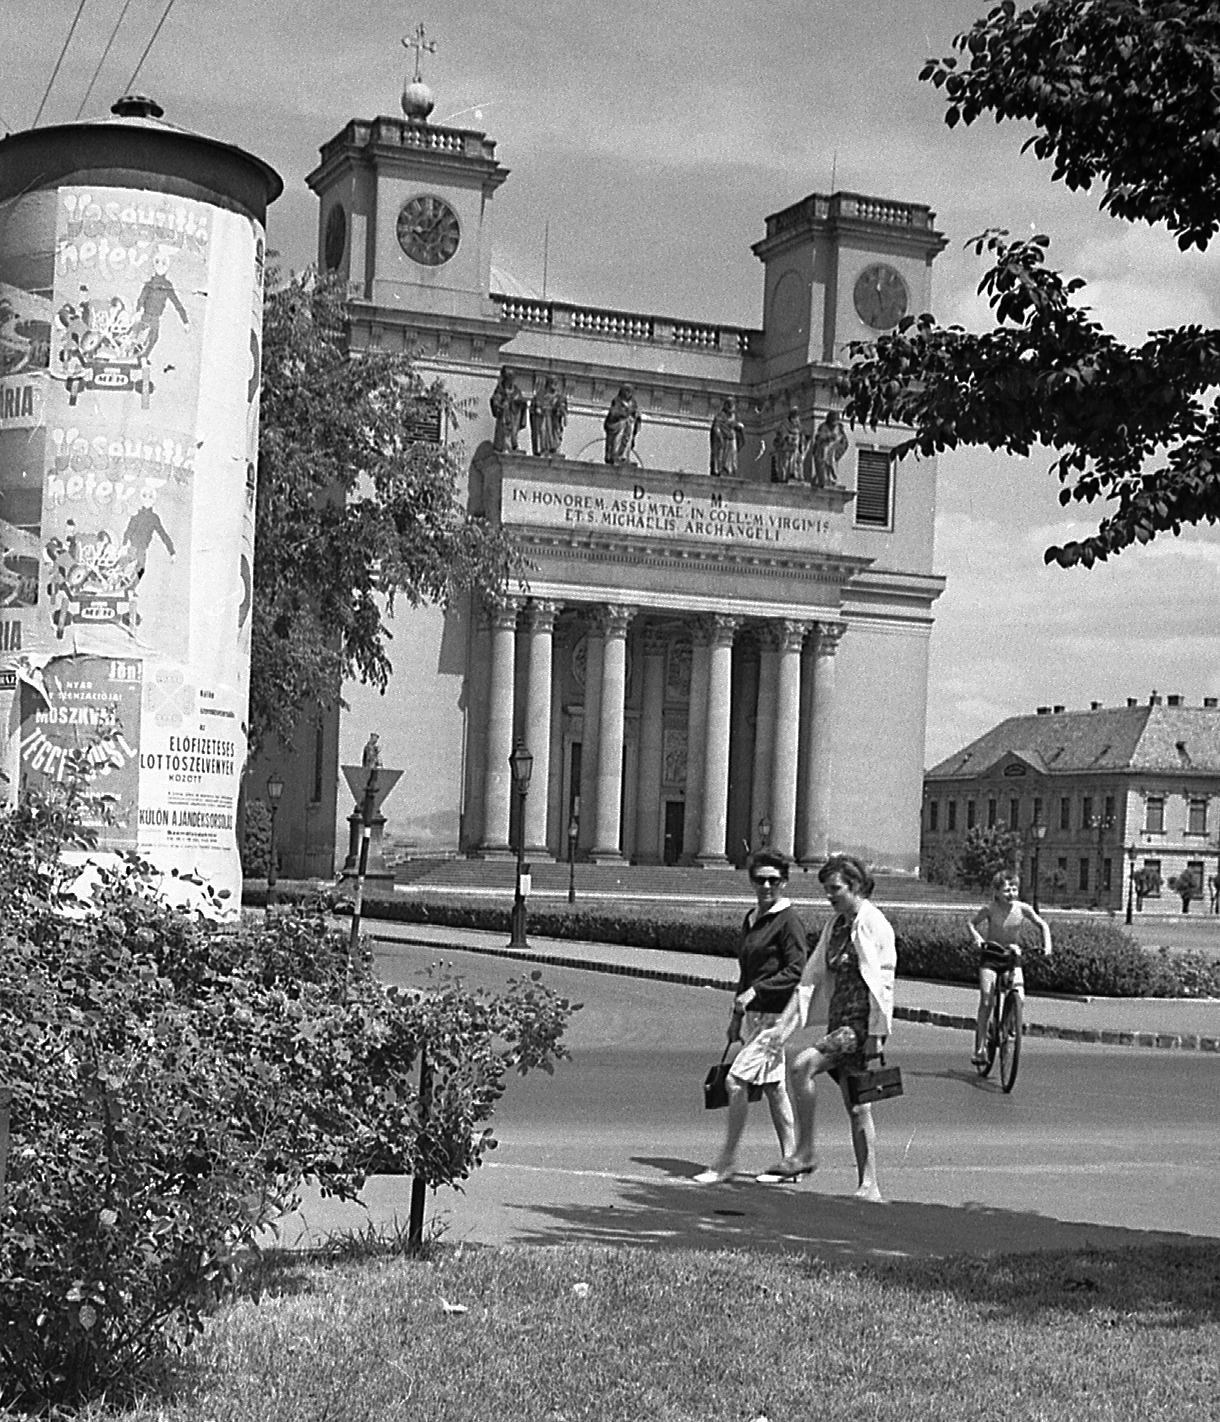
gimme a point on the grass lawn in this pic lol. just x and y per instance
(626, 1335)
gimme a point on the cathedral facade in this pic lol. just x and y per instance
(722, 637)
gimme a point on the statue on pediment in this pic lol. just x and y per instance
(728, 436)
(789, 449)
(622, 424)
(508, 406)
(548, 417)
(829, 446)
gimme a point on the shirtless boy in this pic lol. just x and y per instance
(999, 922)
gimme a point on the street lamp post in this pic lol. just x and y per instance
(275, 788)
(521, 763)
(573, 835)
(1037, 833)
(1101, 823)
(1130, 879)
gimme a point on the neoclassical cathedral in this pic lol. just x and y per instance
(723, 641)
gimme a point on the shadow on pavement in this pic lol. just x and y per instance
(673, 1212)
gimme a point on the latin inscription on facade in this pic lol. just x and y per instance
(701, 514)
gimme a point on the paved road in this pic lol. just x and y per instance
(1097, 1145)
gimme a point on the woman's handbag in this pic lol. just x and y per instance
(876, 1083)
(715, 1083)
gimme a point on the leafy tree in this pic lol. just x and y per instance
(355, 509)
(1122, 94)
(1147, 885)
(1187, 886)
(987, 851)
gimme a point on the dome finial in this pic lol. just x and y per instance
(417, 98)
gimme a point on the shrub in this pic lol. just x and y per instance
(255, 839)
(986, 852)
(938, 864)
(173, 1087)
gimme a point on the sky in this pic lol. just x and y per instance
(652, 137)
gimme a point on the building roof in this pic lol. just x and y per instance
(1156, 738)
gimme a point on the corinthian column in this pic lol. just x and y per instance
(696, 735)
(714, 829)
(607, 841)
(590, 720)
(764, 730)
(538, 724)
(497, 785)
(818, 756)
(789, 637)
(652, 750)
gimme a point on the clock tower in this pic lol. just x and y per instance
(405, 216)
(841, 268)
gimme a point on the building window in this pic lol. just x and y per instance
(1065, 813)
(991, 814)
(1107, 875)
(874, 487)
(933, 815)
(1195, 867)
(1086, 812)
(952, 816)
(1014, 814)
(1154, 815)
(1155, 866)
(1037, 812)
(423, 422)
(1109, 816)
(969, 814)
(1084, 874)
(1197, 823)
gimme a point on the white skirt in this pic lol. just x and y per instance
(753, 1064)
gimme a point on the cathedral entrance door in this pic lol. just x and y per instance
(675, 821)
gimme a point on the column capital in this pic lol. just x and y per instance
(612, 619)
(722, 628)
(656, 641)
(542, 615)
(501, 612)
(829, 635)
(788, 634)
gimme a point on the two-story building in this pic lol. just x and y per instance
(1097, 794)
(696, 663)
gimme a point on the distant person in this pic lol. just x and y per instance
(772, 954)
(856, 958)
(1002, 919)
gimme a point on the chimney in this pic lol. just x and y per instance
(1154, 700)
(1174, 700)
(1210, 703)
(1058, 710)
(1094, 705)
(1131, 701)
(1044, 710)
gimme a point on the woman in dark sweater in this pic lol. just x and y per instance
(772, 955)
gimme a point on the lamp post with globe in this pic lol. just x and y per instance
(275, 788)
(521, 763)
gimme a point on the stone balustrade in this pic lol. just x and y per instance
(625, 325)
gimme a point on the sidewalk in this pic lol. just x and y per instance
(1181, 1023)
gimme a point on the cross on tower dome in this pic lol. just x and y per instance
(417, 99)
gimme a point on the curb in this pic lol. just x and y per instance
(1166, 1041)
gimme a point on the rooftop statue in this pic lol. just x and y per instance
(548, 417)
(790, 446)
(728, 436)
(829, 446)
(508, 405)
(370, 756)
(622, 424)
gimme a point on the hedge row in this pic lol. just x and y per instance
(1092, 956)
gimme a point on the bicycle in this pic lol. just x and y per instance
(1006, 1023)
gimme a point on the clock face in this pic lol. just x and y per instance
(336, 237)
(428, 231)
(881, 297)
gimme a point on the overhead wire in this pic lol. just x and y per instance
(55, 72)
(118, 24)
(148, 46)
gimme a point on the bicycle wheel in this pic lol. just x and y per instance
(991, 1041)
(1011, 1027)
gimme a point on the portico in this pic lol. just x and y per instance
(670, 666)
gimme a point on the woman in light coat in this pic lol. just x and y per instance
(854, 960)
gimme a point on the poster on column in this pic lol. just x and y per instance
(127, 520)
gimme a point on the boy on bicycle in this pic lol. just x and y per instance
(1002, 919)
